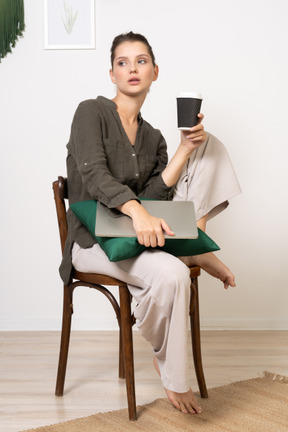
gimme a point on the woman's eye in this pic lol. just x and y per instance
(122, 63)
(142, 61)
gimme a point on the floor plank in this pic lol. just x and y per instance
(28, 364)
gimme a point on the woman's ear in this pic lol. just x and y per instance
(112, 76)
(156, 72)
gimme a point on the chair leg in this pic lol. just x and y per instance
(65, 338)
(121, 357)
(196, 341)
(127, 344)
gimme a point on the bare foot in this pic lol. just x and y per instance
(212, 265)
(184, 402)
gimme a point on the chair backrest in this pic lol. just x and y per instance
(60, 194)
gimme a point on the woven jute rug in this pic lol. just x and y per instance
(255, 405)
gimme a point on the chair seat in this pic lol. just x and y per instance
(96, 278)
(194, 271)
(108, 280)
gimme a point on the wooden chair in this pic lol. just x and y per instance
(123, 313)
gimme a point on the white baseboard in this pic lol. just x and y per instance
(244, 324)
(111, 324)
(52, 325)
(30, 325)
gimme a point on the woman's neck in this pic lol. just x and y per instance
(128, 107)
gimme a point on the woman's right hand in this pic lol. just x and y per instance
(149, 229)
(195, 136)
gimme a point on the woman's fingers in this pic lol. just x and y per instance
(196, 134)
(154, 235)
(166, 228)
(201, 117)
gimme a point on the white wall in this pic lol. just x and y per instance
(235, 53)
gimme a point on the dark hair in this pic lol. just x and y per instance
(130, 37)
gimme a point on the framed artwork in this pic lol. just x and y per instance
(69, 24)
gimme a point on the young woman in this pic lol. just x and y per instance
(115, 157)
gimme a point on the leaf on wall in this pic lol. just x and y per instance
(11, 24)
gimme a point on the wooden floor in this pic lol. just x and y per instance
(28, 363)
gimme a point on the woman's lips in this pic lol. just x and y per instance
(134, 81)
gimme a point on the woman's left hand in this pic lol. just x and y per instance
(196, 135)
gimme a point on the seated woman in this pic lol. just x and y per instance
(115, 157)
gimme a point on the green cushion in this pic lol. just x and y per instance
(120, 248)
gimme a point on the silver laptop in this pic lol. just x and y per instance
(179, 215)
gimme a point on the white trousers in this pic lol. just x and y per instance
(160, 283)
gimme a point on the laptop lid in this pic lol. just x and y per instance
(179, 215)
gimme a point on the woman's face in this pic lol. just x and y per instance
(133, 71)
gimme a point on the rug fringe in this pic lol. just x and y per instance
(271, 376)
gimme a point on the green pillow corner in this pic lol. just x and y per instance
(121, 248)
(116, 248)
(188, 247)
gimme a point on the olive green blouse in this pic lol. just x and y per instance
(103, 165)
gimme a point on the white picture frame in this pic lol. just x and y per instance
(69, 24)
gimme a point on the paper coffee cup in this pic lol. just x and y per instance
(188, 108)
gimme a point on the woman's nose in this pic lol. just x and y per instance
(133, 69)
